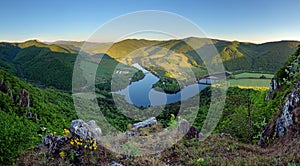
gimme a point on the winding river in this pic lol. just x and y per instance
(142, 93)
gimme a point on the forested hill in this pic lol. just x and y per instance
(52, 64)
(265, 57)
(27, 113)
(42, 64)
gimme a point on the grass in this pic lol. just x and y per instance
(253, 75)
(249, 82)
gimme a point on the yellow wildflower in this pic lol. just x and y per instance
(62, 154)
(91, 148)
(66, 132)
(85, 146)
(72, 142)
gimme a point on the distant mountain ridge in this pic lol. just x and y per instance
(51, 64)
(236, 55)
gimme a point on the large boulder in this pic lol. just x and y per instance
(54, 143)
(147, 123)
(86, 131)
(188, 130)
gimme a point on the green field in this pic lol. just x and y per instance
(249, 82)
(253, 75)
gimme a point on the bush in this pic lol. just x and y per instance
(15, 136)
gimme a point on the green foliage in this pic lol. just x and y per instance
(17, 134)
(168, 85)
(50, 108)
(245, 113)
(173, 123)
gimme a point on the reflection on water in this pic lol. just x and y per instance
(141, 93)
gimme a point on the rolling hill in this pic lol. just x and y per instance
(51, 64)
(236, 56)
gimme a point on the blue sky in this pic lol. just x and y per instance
(245, 20)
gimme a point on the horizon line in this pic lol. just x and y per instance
(212, 38)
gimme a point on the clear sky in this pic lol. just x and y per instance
(244, 20)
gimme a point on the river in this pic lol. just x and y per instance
(142, 93)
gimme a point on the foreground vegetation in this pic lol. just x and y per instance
(51, 111)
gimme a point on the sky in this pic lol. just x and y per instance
(255, 21)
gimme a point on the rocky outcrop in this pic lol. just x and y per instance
(114, 163)
(288, 117)
(78, 129)
(146, 123)
(54, 143)
(5, 89)
(273, 86)
(134, 129)
(188, 130)
(24, 98)
(86, 131)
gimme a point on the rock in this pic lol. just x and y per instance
(24, 98)
(130, 133)
(273, 85)
(86, 131)
(114, 163)
(183, 126)
(5, 89)
(225, 135)
(189, 131)
(287, 117)
(147, 123)
(193, 132)
(272, 88)
(54, 143)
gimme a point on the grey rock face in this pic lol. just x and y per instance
(183, 127)
(273, 86)
(286, 118)
(54, 143)
(114, 163)
(24, 98)
(147, 123)
(5, 89)
(86, 131)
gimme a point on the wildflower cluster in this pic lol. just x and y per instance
(86, 144)
(66, 132)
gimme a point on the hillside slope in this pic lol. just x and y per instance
(52, 65)
(27, 113)
(266, 57)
